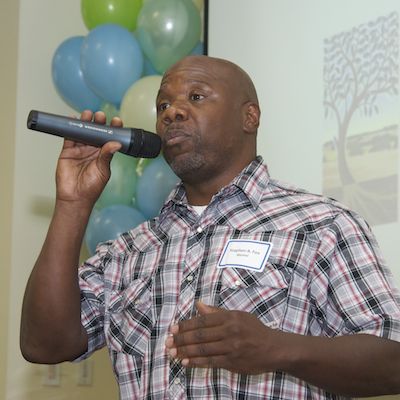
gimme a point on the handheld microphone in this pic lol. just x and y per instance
(135, 142)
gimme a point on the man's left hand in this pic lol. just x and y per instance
(219, 338)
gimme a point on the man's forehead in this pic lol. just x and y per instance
(196, 72)
(191, 73)
(190, 80)
(186, 84)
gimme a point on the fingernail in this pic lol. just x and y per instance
(174, 329)
(185, 362)
(173, 352)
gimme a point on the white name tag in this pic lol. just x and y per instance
(246, 254)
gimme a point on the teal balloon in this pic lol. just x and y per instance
(121, 187)
(109, 110)
(148, 68)
(198, 49)
(168, 30)
(111, 61)
(154, 186)
(109, 223)
(68, 77)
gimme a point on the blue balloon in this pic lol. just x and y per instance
(198, 50)
(109, 223)
(111, 61)
(148, 68)
(68, 77)
(153, 187)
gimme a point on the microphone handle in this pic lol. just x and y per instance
(85, 132)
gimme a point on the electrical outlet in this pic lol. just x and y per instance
(51, 375)
(85, 372)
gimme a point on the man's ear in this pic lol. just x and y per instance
(251, 119)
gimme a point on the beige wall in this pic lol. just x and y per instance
(8, 63)
(30, 31)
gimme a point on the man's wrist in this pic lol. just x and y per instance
(74, 209)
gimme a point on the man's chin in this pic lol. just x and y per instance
(185, 165)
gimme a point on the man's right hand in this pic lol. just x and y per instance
(51, 328)
(83, 170)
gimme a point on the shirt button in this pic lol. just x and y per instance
(199, 229)
(177, 382)
(189, 278)
(273, 325)
(237, 283)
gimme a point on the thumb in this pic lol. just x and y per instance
(205, 309)
(107, 152)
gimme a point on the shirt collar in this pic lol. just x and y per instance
(252, 181)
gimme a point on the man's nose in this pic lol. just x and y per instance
(177, 111)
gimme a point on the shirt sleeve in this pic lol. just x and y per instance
(354, 289)
(91, 283)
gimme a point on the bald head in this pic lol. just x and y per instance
(231, 74)
(207, 117)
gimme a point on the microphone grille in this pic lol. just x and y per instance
(144, 144)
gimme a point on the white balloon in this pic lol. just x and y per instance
(138, 106)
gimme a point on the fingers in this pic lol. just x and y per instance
(205, 349)
(208, 317)
(87, 115)
(205, 362)
(99, 117)
(205, 309)
(202, 336)
(108, 149)
(206, 353)
(197, 336)
(116, 121)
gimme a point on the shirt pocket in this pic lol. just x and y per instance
(131, 318)
(263, 294)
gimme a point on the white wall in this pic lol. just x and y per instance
(280, 44)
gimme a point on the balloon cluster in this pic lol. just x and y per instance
(117, 68)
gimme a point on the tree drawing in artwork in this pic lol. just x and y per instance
(361, 75)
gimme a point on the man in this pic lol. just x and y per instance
(241, 288)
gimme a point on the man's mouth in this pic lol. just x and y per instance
(175, 136)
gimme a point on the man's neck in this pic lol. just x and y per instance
(197, 197)
(199, 191)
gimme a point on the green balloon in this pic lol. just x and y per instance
(168, 30)
(121, 12)
(110, 110)
(121, 188)
(141, 165)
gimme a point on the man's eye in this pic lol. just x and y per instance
(162, 106)
(196, 97)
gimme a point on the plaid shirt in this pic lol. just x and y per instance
(325, 276)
